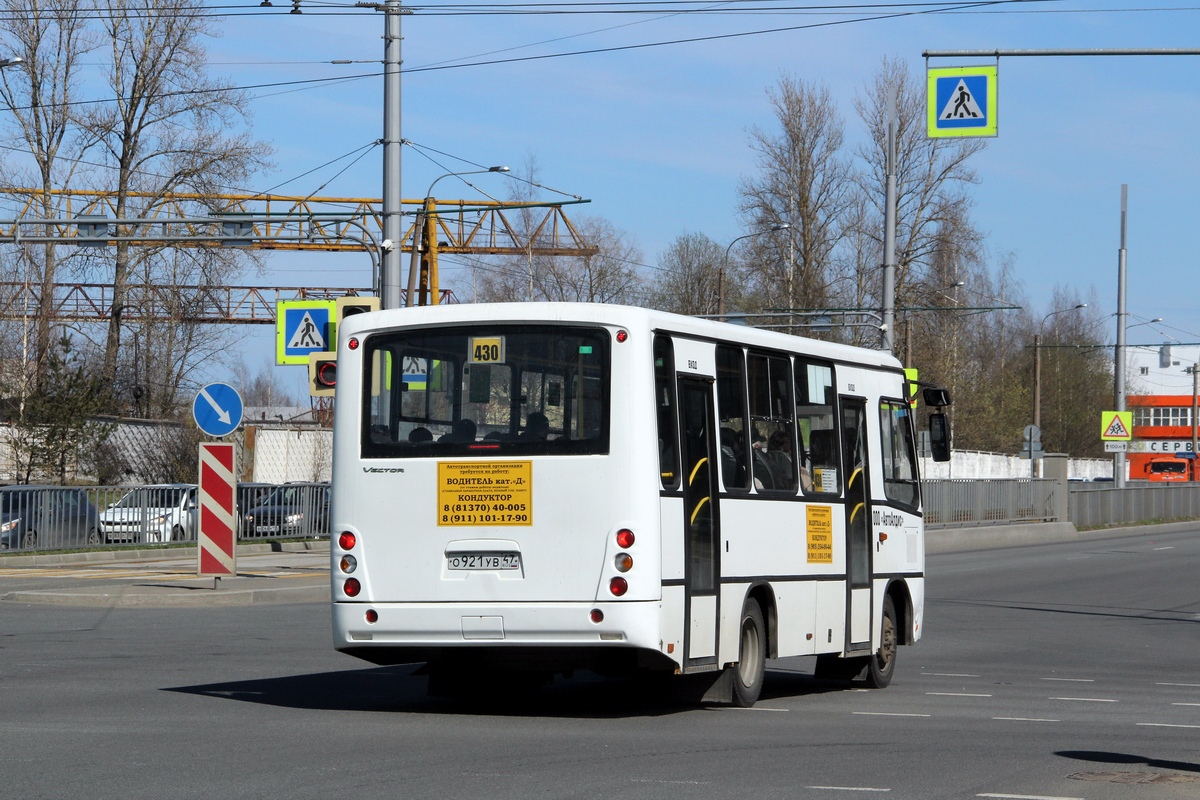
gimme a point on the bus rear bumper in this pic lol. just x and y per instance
(419, 631)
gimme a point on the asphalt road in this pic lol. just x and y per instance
(1058, 671)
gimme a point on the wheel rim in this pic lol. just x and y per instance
(887, 644)
(751, 656)
(93, 536)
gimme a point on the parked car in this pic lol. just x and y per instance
(158, 513)
(251, 494)
(293, 509)
(46, 516)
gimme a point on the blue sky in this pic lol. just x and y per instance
(657, 138)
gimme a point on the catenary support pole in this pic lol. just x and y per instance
(392, 230)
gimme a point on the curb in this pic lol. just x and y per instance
(996, 537)
(157, 553)
(190, 597)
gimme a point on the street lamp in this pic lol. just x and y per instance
(783, 226)
(422, 217)
(1037, 384)
(11, 62)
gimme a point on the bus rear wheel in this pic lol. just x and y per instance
(750, 669)
(882, 665)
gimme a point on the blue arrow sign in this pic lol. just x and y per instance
(217, 409)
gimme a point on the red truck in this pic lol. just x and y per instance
(1168, 468)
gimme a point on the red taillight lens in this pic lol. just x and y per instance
(618, 586)
(372, 615)
(622, 336)
(352, 344)
(625, 537)
(352, 587)
(597, 615)
(347, 540)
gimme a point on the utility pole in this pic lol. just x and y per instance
(889, 229)
(389, 289)
(1119, 358)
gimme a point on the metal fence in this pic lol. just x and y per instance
(57, 517)
(1097, 507)
(964, 502)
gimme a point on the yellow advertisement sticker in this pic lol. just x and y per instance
(485, 493)
(820, 534)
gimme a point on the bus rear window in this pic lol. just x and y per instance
(486, 390)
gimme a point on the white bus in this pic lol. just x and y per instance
(544, 487)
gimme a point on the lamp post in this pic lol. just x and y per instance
(1037, 384)
(423, 217)
(783, 226)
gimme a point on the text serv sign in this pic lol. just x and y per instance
(216, 538)
(485, 493)
(820, 534)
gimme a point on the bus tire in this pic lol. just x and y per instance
(882, 664)
(750, 669)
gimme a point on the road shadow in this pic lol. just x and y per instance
(402, 689)
(1101, 757)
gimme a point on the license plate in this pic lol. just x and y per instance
(493, 561)
(267, 529)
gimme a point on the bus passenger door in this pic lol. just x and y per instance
(701, 520)
(855, 462)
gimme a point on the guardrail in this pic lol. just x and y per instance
(963, 502)
(1096, 507)
(61, 517)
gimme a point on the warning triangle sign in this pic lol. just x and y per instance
(961, 104)
(307, 334)
(1116, 429)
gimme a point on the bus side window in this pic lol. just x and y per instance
(664, 402)
(815, 403)
(731, 415)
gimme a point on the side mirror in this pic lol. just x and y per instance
(936, 398)
(939, 437)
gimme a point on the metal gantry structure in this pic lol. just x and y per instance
(268, 222)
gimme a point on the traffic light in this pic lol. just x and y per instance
(349, 305)
(322, 374)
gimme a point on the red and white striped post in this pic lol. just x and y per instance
(217, 537)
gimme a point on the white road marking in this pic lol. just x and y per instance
(655, 780)
(1165, 548)
(1185, 704)
(1029, 797)
(848, 788)
(1084, 699)
(885, 714)
(1027, 719)
(754, 708)
(1194, 685)
(950, 674)
(1072, 680)
(957, 694)
(1165, 725)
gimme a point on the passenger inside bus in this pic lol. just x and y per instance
(420, 435)
(463, 431)
(537, 427)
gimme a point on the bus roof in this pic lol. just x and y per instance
(601, 313)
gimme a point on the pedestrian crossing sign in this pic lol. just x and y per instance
(1116, 426)
(962, 101)
(303, 327)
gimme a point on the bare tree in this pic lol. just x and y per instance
(169, 128)
(689, 276)
(613, 275)
(804, 180)
(932, 176)
(50, 37)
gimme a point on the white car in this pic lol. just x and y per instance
(158, 513)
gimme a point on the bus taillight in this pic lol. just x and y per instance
(625, 538)
(597, 615)
(618, 586)
(372, 616)
(347, 540)
(348, 564)
(624, 562)
(352, 587)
